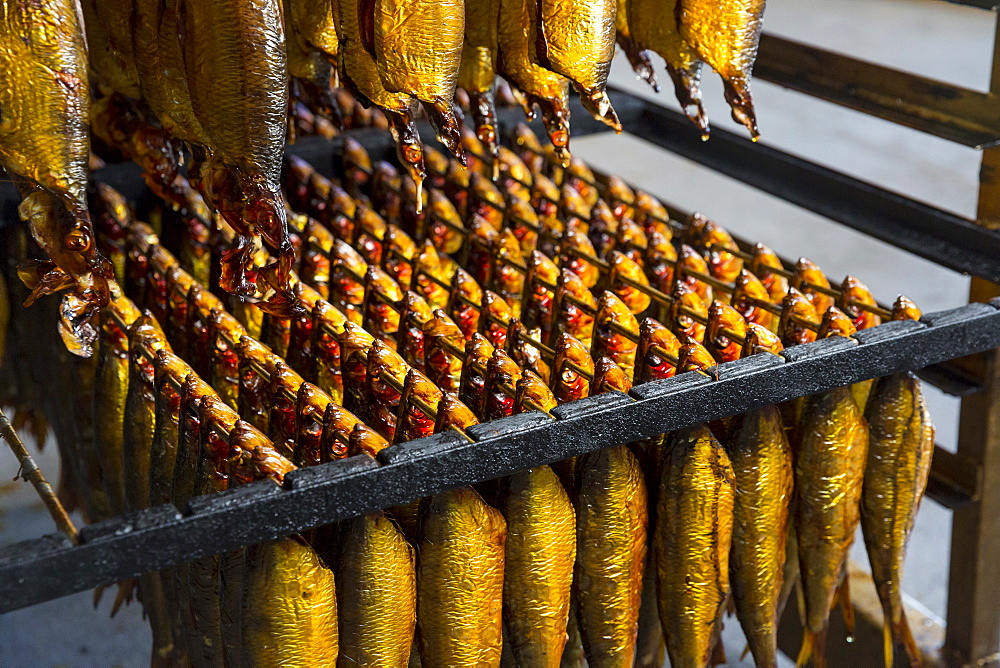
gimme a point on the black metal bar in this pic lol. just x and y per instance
(990, 5)
(129, 545)
(939, 236)
(962, 115)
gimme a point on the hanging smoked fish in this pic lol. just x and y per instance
(725, 36)
(577, 40)
(653, 24)
(542, 87)
(694, 523)
(237, 73)
(44, 146)
(360, 73)
(418, 48)
(477, 72)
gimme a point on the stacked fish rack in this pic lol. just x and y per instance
(968, 483)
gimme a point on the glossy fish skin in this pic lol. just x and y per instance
(45, 146)
(162, 76)
(237, 73)
(653, 24)
(693, 533)
(538, 565)
(314, 20)
(289, 606)
(577, 40)
(900, 447)
(309, 68)
(637, 56)
(542, 87)
(762, 463)
(460, 580)
(418, 48)
(376, 596)
(611, 530)
(725, 36)
(829, 468)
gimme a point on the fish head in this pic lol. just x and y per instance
(658, 351)
(356, 161)
(649, 209)
(810, 280)
(609, 377)
(369, 234)
(836, 323)
(572, 369)
(624, 268)
(444, 226)
(904, 309)
(347, 274)
(453, 414)
(494, 318)
(720, 247)
(581, 263)
(688, 311)
(690, 261)
(616, 331)
(522, 220)
(531, 393)
(853, 294)
(761, 339)
(799, 321)
(693, 356)
(725, 327)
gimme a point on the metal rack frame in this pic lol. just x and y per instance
(967, 482)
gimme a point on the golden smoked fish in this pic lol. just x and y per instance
(309, 69)
(540, 86)
(637, 56)
(538, 566)
(577, 40)
(725, 35)
(418, 49)
(653, 24)
(162, 77)
(694, 522)
(611, 526)
(900, 446)
(359, 73)
(44, 146)
(832, 446)
(477, 71)
(460, 580)
(112, 56)
(762, 465)
(289, 606)
(376, 593)
(238, 78)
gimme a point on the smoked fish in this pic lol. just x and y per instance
(611, 530)
(725, 35)
(637, 56)
(418, 49)
(237, 74)
(653, 24)
(359, 72)
(460, 580)
(577, 40)
(762, 465)
(832, 446)
(376, 593)
(477, 71)
(900, 446)
(542, 87)
(694, 523)
(44, 146)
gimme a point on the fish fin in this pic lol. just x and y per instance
(746, 650)
(737, 92)
(800, 601)
(887, 648)
(806, 651)
(900, 631)
(846, 609)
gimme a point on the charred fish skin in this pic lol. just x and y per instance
(538, 566)
(611, 529)
(694, 521)
(577, 40)
(900, 447)
(831, 452)
(377, 593)
(460, 580)
(762, 463)
(725, 35)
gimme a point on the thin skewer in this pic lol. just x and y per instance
(29, 471)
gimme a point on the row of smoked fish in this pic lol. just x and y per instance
(208, 86)
(491, 298)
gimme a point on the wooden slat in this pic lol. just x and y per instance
(962, 115)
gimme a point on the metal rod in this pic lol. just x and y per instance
(29, 471)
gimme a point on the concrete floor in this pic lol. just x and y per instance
(930, 38)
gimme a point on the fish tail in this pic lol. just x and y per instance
(846, 609)
(900, 631)
(813, 647)
(887, 648)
